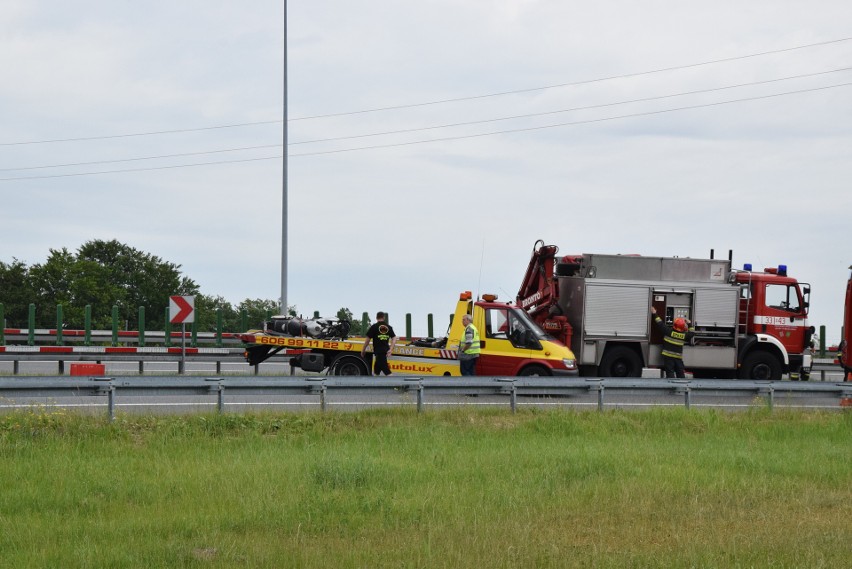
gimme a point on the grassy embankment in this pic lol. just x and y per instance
(461, 488)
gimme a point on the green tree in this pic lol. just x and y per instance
(65, 280)
(16, 293)
(357, 326)
(142, 279)
(103, 274)
(258, 311)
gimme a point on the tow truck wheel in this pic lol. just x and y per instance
(621, 361)
(534, 370)
(349, 365)
(761, 366)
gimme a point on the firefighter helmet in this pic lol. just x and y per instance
(680, 324)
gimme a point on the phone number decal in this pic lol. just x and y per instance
(304, 343)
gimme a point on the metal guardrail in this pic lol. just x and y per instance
(48, 388)
(44, 336)
(93, 354)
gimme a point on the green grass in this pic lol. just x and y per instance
(462, 488)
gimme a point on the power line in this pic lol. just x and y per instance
(449, 138)
(413, 105)
(575, 83)
(105, 137)
(141, 169)
(574, 123)
(450, 125)
(140, 158)
(584, 108)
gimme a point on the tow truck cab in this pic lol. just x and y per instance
(512, 343)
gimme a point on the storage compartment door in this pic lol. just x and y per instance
(616, 311)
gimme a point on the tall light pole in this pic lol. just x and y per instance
(284, 183)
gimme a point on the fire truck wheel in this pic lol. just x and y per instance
(534, 370)
(621, 361)
(349, 366)
(761, 366)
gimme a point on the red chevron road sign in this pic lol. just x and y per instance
(181, 309)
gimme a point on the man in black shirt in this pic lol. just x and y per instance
(383, 340)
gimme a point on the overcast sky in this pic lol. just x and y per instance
(625, 140)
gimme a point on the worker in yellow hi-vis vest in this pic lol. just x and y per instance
(469, 347)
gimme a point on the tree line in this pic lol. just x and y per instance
(103, 274)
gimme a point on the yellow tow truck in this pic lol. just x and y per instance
(512, 344)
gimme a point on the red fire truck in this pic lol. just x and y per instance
(845, 347)
(749, 324)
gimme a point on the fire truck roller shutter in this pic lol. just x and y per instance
(716, 307)
(614, 310)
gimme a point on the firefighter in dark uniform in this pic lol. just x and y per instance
(674, 338)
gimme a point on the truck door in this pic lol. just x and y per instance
(784, 315)
(508, 342)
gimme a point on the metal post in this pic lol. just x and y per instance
(767, 390)
(109, 388)
(167, 334)
(419, 389)
(596, 384)
(59, 323)
(219, 328)
(408, 326)
(182, 362)
(114, 325)
(31, 323)
(682, 387)
(513, 394)
(111, 402)
(219, 388)
(429, 326)
(87, 324)
(141, 326)
(284, 177)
